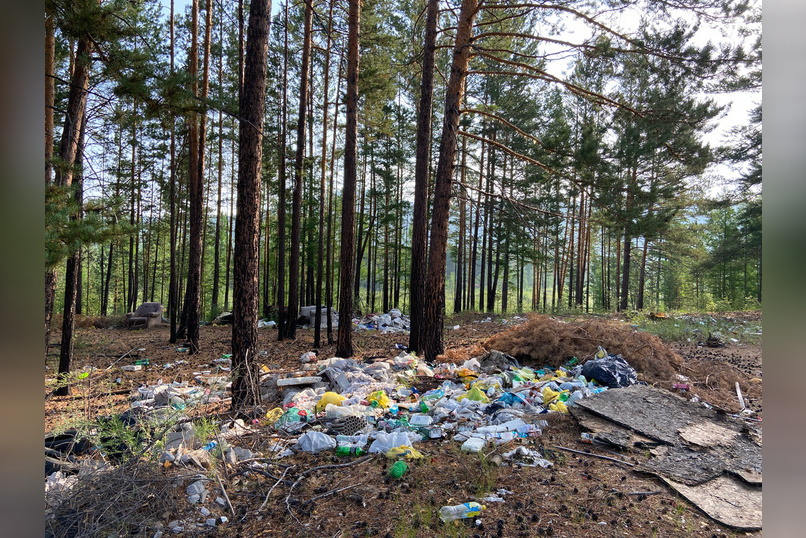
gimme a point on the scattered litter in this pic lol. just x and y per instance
(527, 457)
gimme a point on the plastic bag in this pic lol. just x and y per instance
(274, 415)
(475, 394)
(381, 398)
(314, 442)
(329, 398)
(612, 371)
(404, 451)
(386, 441)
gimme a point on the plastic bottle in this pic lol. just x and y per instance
(460, 511)
(349, 451)
(394, 409)
(211, 445)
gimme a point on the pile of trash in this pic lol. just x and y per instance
(388, 406)
(393, 321)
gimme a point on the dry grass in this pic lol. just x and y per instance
(545, 341)
(120, 501)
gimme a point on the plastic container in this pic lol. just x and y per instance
(349, 451)
(460, 511)
(211, 445)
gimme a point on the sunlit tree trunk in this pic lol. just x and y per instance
(245, 391)
(344, 346)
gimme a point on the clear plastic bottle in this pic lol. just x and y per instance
(460, 511)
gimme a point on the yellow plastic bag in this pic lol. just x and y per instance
(381, 398)
(549, 395)
(274, 415)
(404, 451)
(329, 398)
(475, 394)
(559, 406)
(466, 374)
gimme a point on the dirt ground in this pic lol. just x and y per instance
(581, 495)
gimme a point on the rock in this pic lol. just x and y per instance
(221, 501)
(211, 522)
(193, 499)
(166, 457)
(204, 511)
(196, 488)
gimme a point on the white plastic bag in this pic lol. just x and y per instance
(314, 442)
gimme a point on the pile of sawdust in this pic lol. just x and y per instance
(545, 341)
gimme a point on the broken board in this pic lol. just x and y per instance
(726, 499)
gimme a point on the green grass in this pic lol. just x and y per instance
(696, 328)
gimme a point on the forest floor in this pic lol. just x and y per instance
(581, 495)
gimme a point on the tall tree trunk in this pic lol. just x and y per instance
(282, 317)
(231, 223)
(472, 280)
(296, 215)
(50, 99)
(69, 146)
(214, 307)
(320, 262)
(173, 299)
(245, 391)
(434, 299)
(71, 277)
(419, 236)
(625, 273)
(460, 251)
(639, 299)
(330, 238)
(344, 346)
(196, 195)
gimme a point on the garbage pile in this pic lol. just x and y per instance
(389, 406)
(393, 321)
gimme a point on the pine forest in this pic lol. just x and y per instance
(429, 156)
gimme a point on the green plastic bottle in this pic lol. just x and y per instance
(349, 451)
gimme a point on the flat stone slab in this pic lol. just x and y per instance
(294, 381)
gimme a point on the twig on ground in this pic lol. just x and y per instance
(226, 497)
(119, 359)
(314, 469)
(332, 491)
(262, 506)
(594, 455)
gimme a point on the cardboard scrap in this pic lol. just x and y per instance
(713, 460)
(708, 434)
(725, 499)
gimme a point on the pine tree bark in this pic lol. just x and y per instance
(344, 346)
(320, 262)
(434, 299)
(71, 280)
(245, 391)
(296, 215)
(196, 197)
(214, 307)
(281, 149)
(419, 236)
(50, 97)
